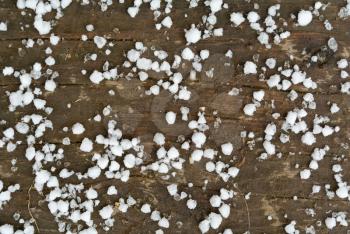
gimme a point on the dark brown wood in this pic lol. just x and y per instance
(272, 183)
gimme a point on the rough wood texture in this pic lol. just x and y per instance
(272, 183)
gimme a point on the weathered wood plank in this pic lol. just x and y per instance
(142, 26)
(69, 56)
(251, 179)
(272, 183)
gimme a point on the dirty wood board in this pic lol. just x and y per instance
(272, 183)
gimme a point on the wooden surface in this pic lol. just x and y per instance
(272, 183)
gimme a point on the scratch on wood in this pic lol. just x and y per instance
(270, 210)
(289, 47)
(285, 171)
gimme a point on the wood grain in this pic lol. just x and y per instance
(272, 183)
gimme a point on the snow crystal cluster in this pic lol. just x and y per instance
(41, 8)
